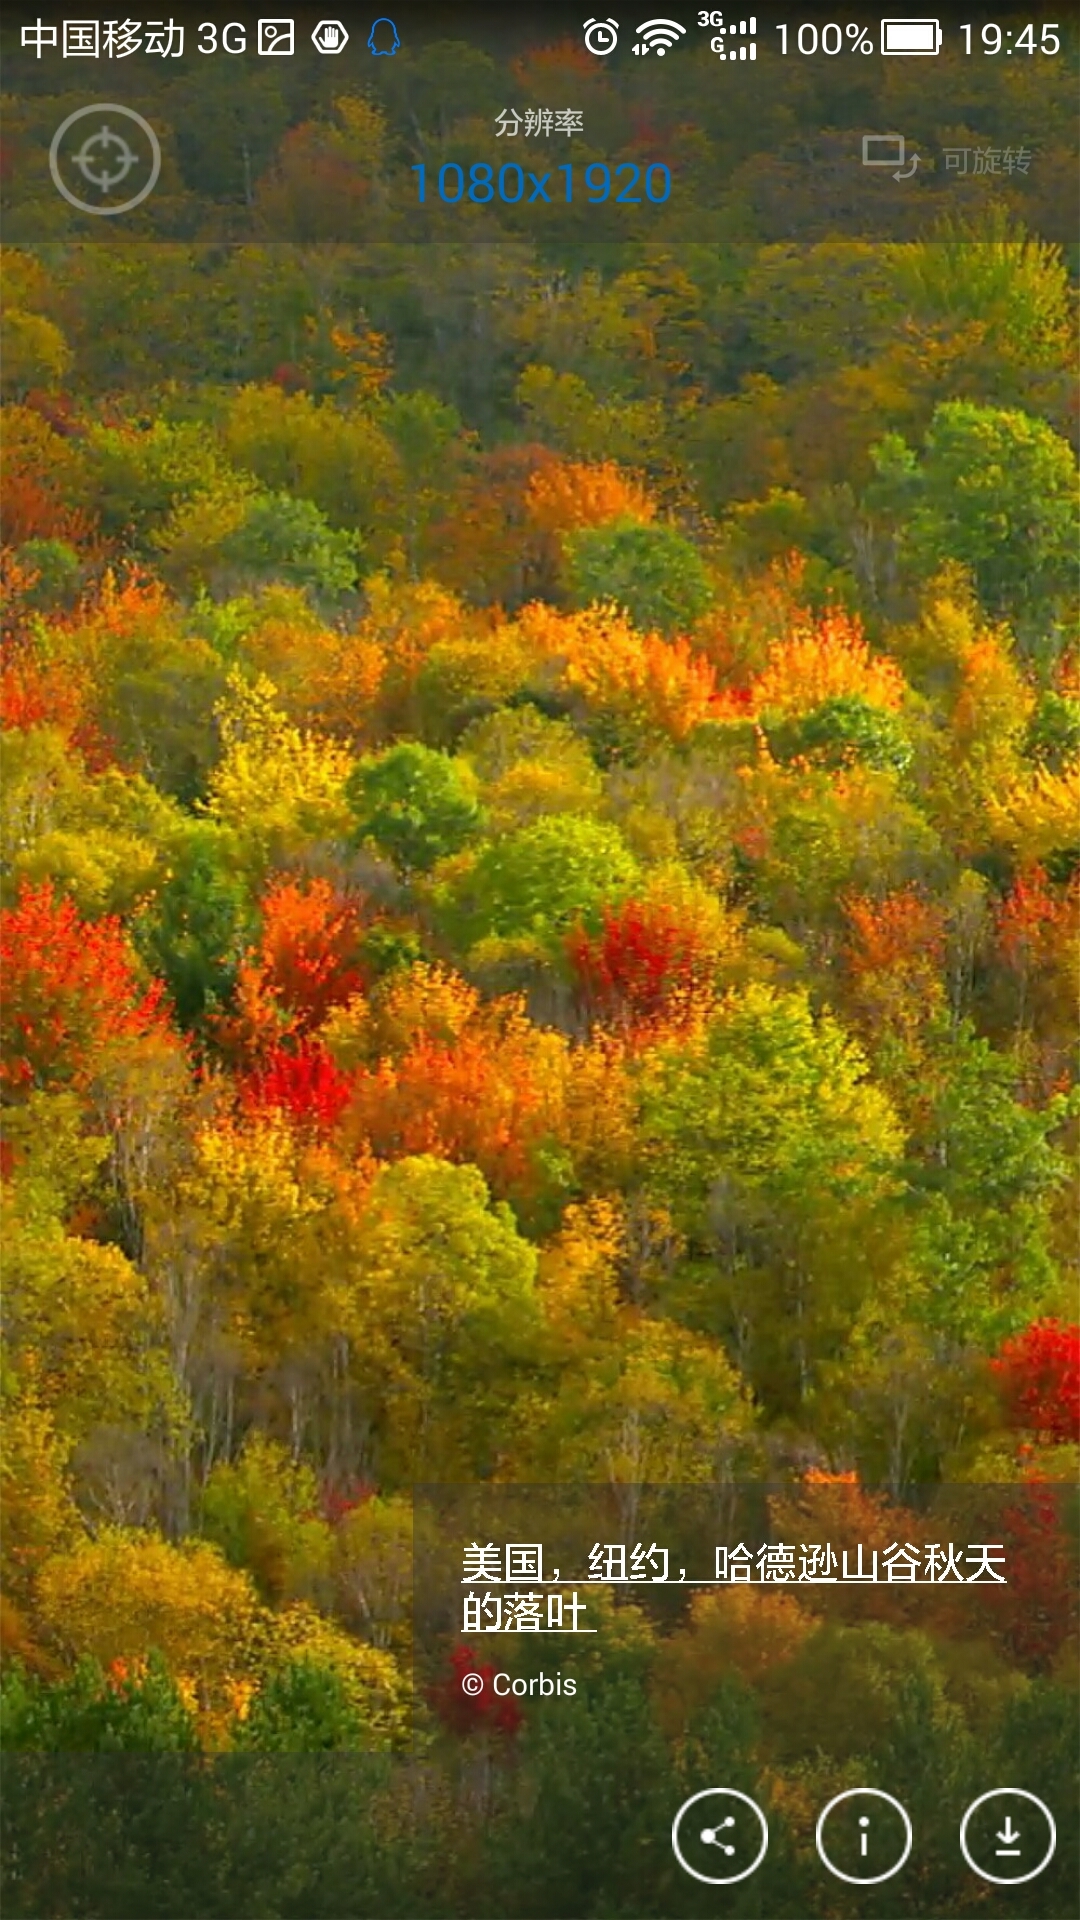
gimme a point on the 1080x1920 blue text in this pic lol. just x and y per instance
(596, 183)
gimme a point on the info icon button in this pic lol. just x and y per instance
(863, 1836)
(720, 1836)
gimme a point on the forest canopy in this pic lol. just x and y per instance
(540, 799)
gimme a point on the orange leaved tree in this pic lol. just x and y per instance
(305, 963)
(570, 494)
(827, 658)
(894, 958)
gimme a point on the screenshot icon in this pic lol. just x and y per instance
(277, 37)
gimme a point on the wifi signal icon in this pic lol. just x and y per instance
(656, 36)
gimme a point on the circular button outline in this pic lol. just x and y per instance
(854, 1793)
(1000, 1879)
(725, 1880)
(129, 113)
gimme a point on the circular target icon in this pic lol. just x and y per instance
(105, 156)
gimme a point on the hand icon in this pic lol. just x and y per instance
(329, 36)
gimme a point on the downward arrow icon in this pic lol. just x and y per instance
(1021, 1846)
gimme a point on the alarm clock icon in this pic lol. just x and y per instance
(601, 36)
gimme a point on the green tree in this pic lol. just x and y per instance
(82, 1326)
(156, 700)
(86, 1713)
(773, 1151)
(529, 765)
(342, 461)
(201, 920)
(902, 1395)
(652, 1403)
(101, 839)
(262, 1511)
(238, 537)
(806, 310)
(537, 882)
(996, 490)
(984, 1172)
(416, 804)
(654, 573)
(440, 1307)
(302, 1707)
(601, 1787)
(137, 475)
(1053, 736)
(427, 435)
(33, 350)
(60, 574)
(283, 538)
(563, 411)
(991, 273)
(840, 731)
(374, 1568)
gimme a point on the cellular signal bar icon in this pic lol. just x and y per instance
(734, 28)
(656, 36)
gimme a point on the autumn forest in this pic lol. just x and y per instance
(540, 798)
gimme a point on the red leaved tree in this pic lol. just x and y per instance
(40, 473)
(1035, 937)
(1038, 1373)
(339, 1498)
(1035, 1611)
(647, 964)
(306, 962)
(70, 987)
(466, 1712)
(306, 1083)
(489, 545)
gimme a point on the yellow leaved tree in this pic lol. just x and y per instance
(281, 788)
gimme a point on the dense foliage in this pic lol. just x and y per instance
(539, 909)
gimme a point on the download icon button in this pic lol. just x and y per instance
(1008, 1836)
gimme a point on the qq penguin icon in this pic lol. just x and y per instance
(383, 37)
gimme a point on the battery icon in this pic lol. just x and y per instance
(913, 38)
